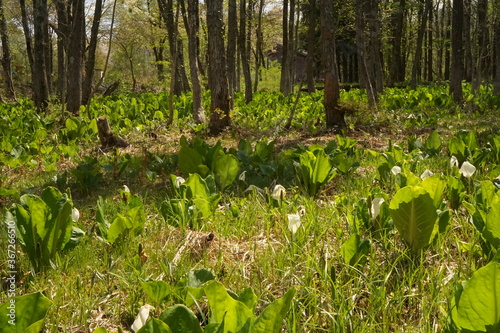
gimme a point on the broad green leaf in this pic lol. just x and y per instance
(479, 304)
(271, 319)
(226, 169)
(181, 319)
(119, 225)
(197, 187)
(30, 311)
(190, 162)
(155, 326)
(492, 224)
(354, 250)
(435, 186)
(100, 330)
(193, 284)
(248, 297)
(156, 290)
(238, 317)
(414, 215)
(433, 143)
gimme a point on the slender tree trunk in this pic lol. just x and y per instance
(285, 85)
(40, 86)
(430, 42)
(290, 55)
(496, 43)
(440, 17)
(27, 37)
(7, 58)
(90, 63)
(417, 61)
(483, 48)
(447, 55)
(217, 74)
(242, 47)
(109, 45)
(63, 32)
(259, 57)
(75, 58)
(311, 46)
(334, 114)
(193, 20)
(467, 42)
(457, 54)
(397, 21)
(375, 46)
(232, 32)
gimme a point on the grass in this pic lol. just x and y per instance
(97, 284)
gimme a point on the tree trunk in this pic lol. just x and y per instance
(217, 74)
(423, 14)
(285, 81)
(232, 32)
(457, 54)
(430, 55)
(447, 55)
(40, 26)
(198, 111)
(259, 54)
(7, 58)
(334, 114)
(27, 37)
(312, 21)
(467, 42)
(75, 57)
(483, 48)
(397, 21)
(63, 32)
(90, 64)
(496, 42)
(242, 47)
(375, 64)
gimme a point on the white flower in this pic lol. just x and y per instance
(301, 210)
(453, 162)
(179, 181)
(75, 215)
(142, 317)
(293, 223)
(279, 192)
(242, 176)
(467, 169)
(375, 209)
(126, 189)
(427, 173)
(396, 170)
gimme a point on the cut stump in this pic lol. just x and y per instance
(108, 139)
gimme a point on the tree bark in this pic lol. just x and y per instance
(242, 47)
(430, 42)
(198, 111)
(75, 57)
(40, 26)
(90, 63)
(312, 22)
(396, 28)
(259, 55)
(7, 57)
(63, 32)
(285, 81)
(467, 42)
(334, 114)
(232, 32)
(457, 54)
(483, 48)
(217, 70)
(417, 60)
(496, 42)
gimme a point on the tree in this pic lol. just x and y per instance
(40, 27)
(198, 111)
(232, 32)
(423, 13)
(217, 70)
(76, 50)
(396, 70)
(457, 54)
(6, 56)
(334, 114)
(497, 48)
(243, 50)
(90, 63)
(312, 22)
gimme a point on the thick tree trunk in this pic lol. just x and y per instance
(75, 58)
(217, 74)
(40, 85)
(334, 114)
(312, 22)
(232, 32)
(198, 111)
(7, 58)
(242, 47)
(27, 37)
(457, 54)
(90, 63)
(397, 21)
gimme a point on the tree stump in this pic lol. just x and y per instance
(106, 136)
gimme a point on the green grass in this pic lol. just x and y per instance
(98, 284)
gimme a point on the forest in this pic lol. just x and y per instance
(250, 166)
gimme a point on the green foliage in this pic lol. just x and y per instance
(191, 285)
(478, 307)
(181, 319)
(414, 216)
(44, 225)
(24, 314)
(355, 250)
(314, 170)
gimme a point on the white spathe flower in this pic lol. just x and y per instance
(293, 223)
(242, 176)
(279, 192)
(467, 169)
(426, 174)
(396, 170)
(142, 317)
(75, 215)
(126, 189)
(179, 181)
(453, 162)
(375, 209)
